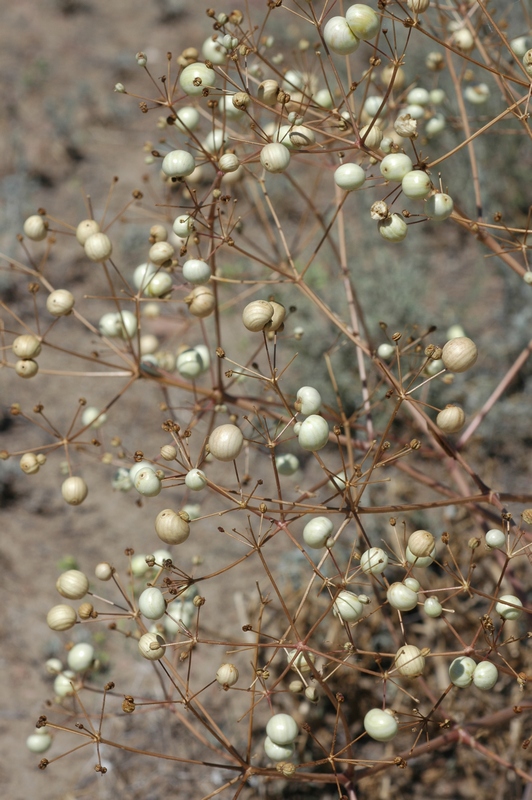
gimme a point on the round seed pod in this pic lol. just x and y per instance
(418, 6)
(401, 597)
(395, 166)
(372, 136)
(152, 604)
(451, 419)
(276, 323)
(103, 571)
(196, 480)
(172, 528)
(63, 684)
(385, 350)
(183, 226)
(160, 285)
(93, 417)
(227, 675)
(26, 368)
(201, 302)
(348, 607)
(196, 271)
(314, 433)
(229, 162)
(495, 538)
(161, 254)
(349, 177)
(85, 229)
(287, 464)
(147, 483)
(277, 752)
(98, 247)
(257, 315)
(380, 725)
(421, 543)
(81, 657)
(168, 452)
(432, 607)
(275, 157)
(26, 346)
(393, 228)
(195, 78)
(267, 92)
(74, 490)
(485, 675)
(420, 562)
(308, 400)
(213, 50)
(434, 126)
(459, 354)
(507, 611)
(416, 184)
(86, 611)
(225, 442)
(72, 584)
(463, 40)
(374, 561)
(409, 662)
(61, 617)
(363, 21)
(151, 646)
(187, 119)
(282, 729)
(412, 583)
(317, 531)
(189, 363)
(461, 671)
(339, 37)
(178, 164)
(29, 464)
(300, 661)
(439, 206)
(35, 228)
(158, 233)
(39, 742)
(60, 303)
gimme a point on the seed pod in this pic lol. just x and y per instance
(485, 675)
(393, 228)
(308, 400)
(86, 611)
(196, 271)
(212, 50)
(195, 480)
(26, 368)
(171, 527)
(409, 661)
(227, 675)
(495, 538)
(372, 136)
(374, 561)
(405, 126)
(439, 206)
(277, 752)
(61, 617)
(282, 729)
(257, 315)
(461, 671)
(300, 661)
(267, 92)
(161, 283)
(98, 247)
(317, 531)
(380, 724)
(432, 607)
(401, 597)
(420, 562)
(416, 184)
(196, 77)
(40, 741)
(348, 607)
(168, 452)
(508, 611)
(363, 21)
(225, 442)
(85, 229)
(81, 657)
(183, 226)
(29, 464)
(418, 6)
(451, 419)
(178, 164)
(459, 354)
(276, 323)
(74, 490)
(152, 604)
(60, 303)
(275, 157)
(151, 646)
(63, 684)
(421, 543)
(286, 464)
(103, 571)
(161, 254)
(26, 346)
(189, 363)
(72, 584)
(314, 433)
(339, 37)
(395, 166)
(349, 177)
(35, 228)
(201, 302)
